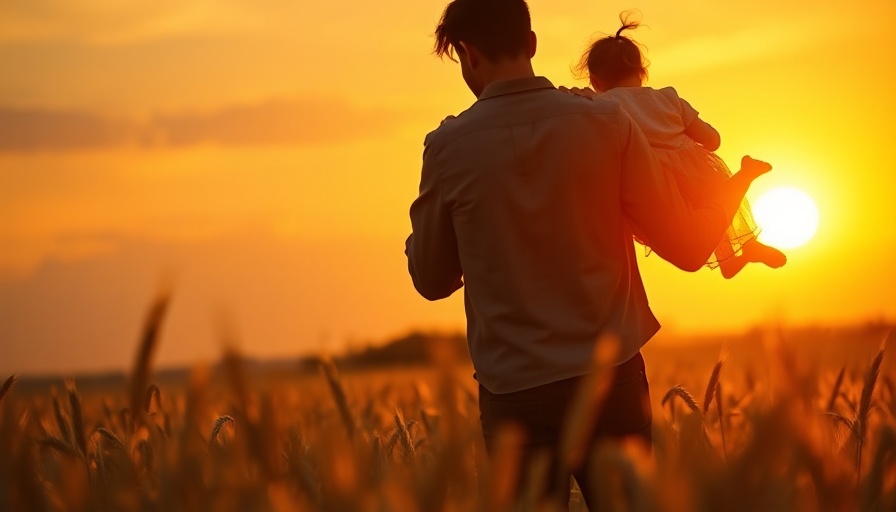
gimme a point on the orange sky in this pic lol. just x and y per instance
(263, 155)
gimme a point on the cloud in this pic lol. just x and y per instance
(30, 130)
(275, 122)
(307, 121)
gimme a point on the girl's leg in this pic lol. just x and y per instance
(736, 187)
(729, 194)
(733, 264)
(752, 250)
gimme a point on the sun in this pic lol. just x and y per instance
(787, 216)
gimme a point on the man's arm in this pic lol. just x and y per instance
(433, 261)
(682, 234)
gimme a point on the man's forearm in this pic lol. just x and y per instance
(435, 276)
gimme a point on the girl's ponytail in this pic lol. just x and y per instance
(627, 23)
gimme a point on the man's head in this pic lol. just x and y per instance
(488, 36)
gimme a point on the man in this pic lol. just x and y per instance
(528, 200)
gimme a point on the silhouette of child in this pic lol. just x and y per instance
(683, 143)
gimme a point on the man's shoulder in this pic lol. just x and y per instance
(471, 120)
(449, 128)
(551, 102)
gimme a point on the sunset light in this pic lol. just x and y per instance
(788, 217)
(350, 255)
(257, 150)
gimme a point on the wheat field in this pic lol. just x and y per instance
(784, 435)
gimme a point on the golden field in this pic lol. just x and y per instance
(776, 423)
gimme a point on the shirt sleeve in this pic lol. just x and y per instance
(687, 112)
(433, 260)
(680, 233)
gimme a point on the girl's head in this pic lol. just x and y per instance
(613, 61)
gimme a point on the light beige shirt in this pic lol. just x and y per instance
(661, 114)
(526, 201)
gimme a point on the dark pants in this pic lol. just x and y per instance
(541, 413)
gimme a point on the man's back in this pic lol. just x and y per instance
(531, 179)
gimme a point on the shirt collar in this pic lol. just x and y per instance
(515, 85)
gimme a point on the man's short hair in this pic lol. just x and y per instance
(497, 28)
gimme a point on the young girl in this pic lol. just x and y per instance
(682, 142)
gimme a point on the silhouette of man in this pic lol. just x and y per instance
(528, 200)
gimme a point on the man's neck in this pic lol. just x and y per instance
(507, 70)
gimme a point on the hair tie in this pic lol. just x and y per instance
(619, 32)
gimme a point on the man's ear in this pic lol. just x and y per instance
(473, 55)
(533, 43)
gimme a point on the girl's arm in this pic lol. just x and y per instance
(704, 134)
(697, 129)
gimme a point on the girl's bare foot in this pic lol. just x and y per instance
(754, 168)
(758, 252)
(753, 251)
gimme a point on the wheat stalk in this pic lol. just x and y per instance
(835, 392)
(861, 420)
(338, 392)
(143, 360)
(64, 429)
(586, 404)
(7, 386)
(506, 467)
(850, 424)
(718, 396)
(711, 386)
(78, 430)
(60, 446)
(151, 392)
(873, 486)
(390, 444)
(111, 437)
(404, 435)
(147, 453)
(100, 458)
(233, 367)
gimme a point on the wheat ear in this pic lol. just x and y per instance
(681, 393)
(216, 429)
(7, 386)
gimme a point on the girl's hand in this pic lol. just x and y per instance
(584, 92)
(450, 117)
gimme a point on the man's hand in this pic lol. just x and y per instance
(584, 92)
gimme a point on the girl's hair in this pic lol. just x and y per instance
(613, 59)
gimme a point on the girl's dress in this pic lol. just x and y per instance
(699, 173)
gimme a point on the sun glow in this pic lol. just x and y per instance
(787, 216)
